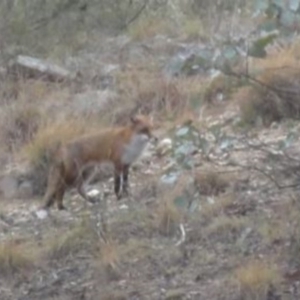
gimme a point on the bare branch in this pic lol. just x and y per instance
(137, 14)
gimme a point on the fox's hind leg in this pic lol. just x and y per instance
(49, 198)
(79, 182)
(59, 196)
(53, 186)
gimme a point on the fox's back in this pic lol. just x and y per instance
(101, 146)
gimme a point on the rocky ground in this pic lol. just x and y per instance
(213, 211)
(238, 227)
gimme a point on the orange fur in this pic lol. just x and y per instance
(121, 146)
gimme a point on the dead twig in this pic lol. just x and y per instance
(183, 235)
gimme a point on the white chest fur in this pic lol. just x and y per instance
(134, 149)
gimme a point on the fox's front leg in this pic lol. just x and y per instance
(121, 181)
(117, 183)
(125, 180)
(53, 186)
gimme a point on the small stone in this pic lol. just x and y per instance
(123, 206)
(41, 214)
(164, 147)
(93, 193)
(175, 294)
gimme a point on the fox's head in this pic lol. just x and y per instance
(143, 126)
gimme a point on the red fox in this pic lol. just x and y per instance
(120, 146)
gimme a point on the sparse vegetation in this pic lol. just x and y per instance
(219, 205)
(224, 225)
(19, 125)
(109, 257)
(211, 183)
(149, 27)
(168, 217)
(15, 259)
(256, 280)
(274, 95)
(230, 191)
(70, 242)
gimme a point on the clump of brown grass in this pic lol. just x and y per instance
(292, 232)
(220, 204)
(15, 258)
(211, 183)
(255, 280)
(148, 92)
(108, 258)
(275, 96)
(71, 242)
(168, 215)
(33, 90)
(193, 29)
(26, 91)
(220, 84)
(136, 249)
(19, 125)
(149, 27)
(109, 254)
(9, 90)
(273, 230)
(226, 227)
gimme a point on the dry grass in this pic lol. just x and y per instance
(210, 210)
(146, 91)
(136, 249)
(149, 27)
(277, 97)
(211, 183)
(219, 85)
(19, 124)
(273, 230)
(34, 90)
(27, 106)
(255, 280)
(107, 259)
(28, 91)
(168, 217)
(226, 225)
(16, 258)
(193, 29)
(70, 242)
(109, 254)
(291, 218)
